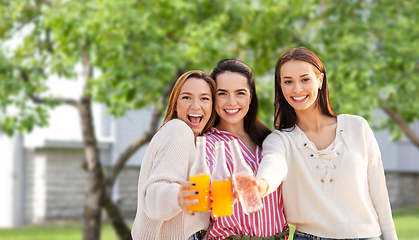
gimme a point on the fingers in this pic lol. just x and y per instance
(187, 193)
(186, 185)
(235, 196)
(262, 186)
(184, 194)
(211, 209)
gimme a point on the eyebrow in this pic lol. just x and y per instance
(237, 90)
(188, 93)
(300, 76)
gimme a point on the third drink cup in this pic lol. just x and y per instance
(243, 175)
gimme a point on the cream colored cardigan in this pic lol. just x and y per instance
(165, 164)
(339, 192)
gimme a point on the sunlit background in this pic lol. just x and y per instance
(122, 56)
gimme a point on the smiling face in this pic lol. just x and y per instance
(300, 84)
(232, 98)
(194, 104)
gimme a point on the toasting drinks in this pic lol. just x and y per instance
(243, 175)
(199, 174)
(221, 184)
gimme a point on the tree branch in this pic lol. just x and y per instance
(38, 100)
(49, 46)
(54, 101)
(87, 67)
(146, 136)
(398, 119)
(116, 219)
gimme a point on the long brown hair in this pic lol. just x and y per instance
(171, 108)
(285, 116)
(256, 129)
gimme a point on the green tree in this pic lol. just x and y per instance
(370, 51)
(130, 52)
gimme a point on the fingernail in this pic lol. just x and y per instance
(196, 192)
(193, 213)
(211, 200)
(195, 201)
(193, 184)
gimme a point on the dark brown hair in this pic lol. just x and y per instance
(256, 129)
(285, 116)
(171, 108)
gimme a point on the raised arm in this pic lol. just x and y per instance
(273, 169)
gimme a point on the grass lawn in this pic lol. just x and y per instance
(407, 224)
(54, 231)
(406, 221)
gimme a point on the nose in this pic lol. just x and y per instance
(297, 87)
(195, 104)
(232, 100)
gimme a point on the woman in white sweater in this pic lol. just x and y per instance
(329, 165)
(162, 209)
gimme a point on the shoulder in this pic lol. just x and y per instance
(352, 120)
(284, 133)
(175, 130)
(178, 125)
(278, 135)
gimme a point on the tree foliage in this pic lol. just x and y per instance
(129, 52)
(371, 54)
(135, 47)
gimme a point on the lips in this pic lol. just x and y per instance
(299, 99)
(194, 119)
(232, 112)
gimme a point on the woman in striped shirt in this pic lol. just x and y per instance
(237, 106)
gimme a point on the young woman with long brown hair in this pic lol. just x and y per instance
(329, 166)
(162, 209)
(236, 105)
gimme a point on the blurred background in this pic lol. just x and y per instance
(84, 86)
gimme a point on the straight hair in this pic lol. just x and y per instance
(171, 108)
(285, 116)
(255, 128)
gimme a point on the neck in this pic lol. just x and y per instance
(312, 120)
(235, 129)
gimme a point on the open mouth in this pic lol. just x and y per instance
(298, 99)
(195, 119)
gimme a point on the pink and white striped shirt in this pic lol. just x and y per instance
(264, 223)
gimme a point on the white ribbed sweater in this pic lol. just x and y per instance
(339, 192)
(165, 164)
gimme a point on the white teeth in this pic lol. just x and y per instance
(195, 115)
(232, 111)
(299, 98)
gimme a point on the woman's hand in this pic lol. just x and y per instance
(184, 195)
(262, 185)
(234, 191)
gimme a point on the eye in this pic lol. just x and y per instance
(287, 81)
(241, 93)
(205, 99)
(186, 97)
(221, 94)
(305, 79)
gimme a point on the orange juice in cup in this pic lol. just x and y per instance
(222, 197)
(202, 184)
